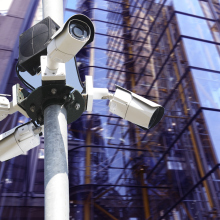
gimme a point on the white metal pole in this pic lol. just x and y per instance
(54, 9)
(56, 182)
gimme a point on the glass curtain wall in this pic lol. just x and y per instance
(168, 52)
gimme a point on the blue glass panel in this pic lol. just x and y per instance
(213, 125)
(194, 27)
(71, 4)
(207, 85)
(202, 54)
(103, 4)
(67, 15)
(188, 6)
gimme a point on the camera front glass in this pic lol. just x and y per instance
(79, 30)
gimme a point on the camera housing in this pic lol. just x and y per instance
(19, 140)
(135, 108)
(76, 33)
(60, 44)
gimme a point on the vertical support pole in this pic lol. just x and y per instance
(88, 156)
(192, 134)
(134, 132)
(54, 9)
(56, 182)
(145, 198)
(87, 207)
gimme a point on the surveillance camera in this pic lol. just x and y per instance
(61, 44)
(135, 108)
(77, 32)
(8, 108)
(4, 107)
(19, 140)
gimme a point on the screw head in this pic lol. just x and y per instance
(77, 106)
(65, 97)
(32, 108)
(54, 91)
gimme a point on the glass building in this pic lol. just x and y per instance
(166, 51)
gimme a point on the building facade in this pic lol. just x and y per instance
(166, 51)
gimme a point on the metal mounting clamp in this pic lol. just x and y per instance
(44, 96)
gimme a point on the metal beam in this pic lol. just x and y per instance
(178, 136)
(87, 211)
(191, 190)
(33, 168)
(104, 211)
(145, 198)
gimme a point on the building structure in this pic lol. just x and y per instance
(166, 51)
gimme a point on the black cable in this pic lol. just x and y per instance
(22, 79)
(34, 123)
(78, 73)
(37, 126)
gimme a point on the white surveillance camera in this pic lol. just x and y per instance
(8, 108)
(4, 107)
(70, 39)
(77, 32)
(19, 140)
(135, 108)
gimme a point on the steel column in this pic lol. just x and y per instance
(56, 164)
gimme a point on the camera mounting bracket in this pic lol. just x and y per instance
(52, 94)
(58, 73)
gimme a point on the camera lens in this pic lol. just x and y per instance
(156, 117)
(79, 30)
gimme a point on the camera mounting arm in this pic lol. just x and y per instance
(52, 70)
(94, 93)
(8, 108)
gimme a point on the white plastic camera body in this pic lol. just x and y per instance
(4, 107)
(135, 108)
(8, 108)
(19, 140)
(77, 32)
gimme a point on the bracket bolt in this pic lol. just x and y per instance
(54, 91)
(32, 108)
(77, 106)
(39, 118)
(65, 97)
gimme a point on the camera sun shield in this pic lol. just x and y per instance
(33, 44)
